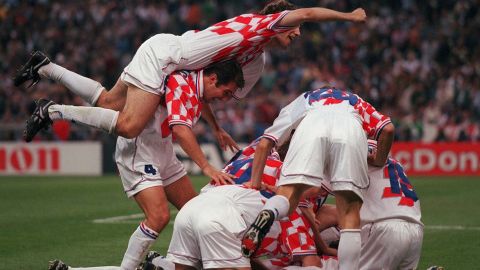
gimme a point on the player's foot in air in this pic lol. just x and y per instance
(38, 120)
(29, 71)
(57, 265)
(257, 231)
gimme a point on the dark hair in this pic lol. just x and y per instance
(227, 71)
(276, 6)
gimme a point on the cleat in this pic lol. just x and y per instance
(148, 263)
(435, 268)
(29, 71)
(257, 231)
(39, 119)
(57, 265)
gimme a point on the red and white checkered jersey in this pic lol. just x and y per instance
(287, 238)
(242, 38)
(290, 116)
(182, 101)
(390, 195)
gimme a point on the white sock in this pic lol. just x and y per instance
(279, 205)
(163, 263)
(84, 87)
(101, 118)
(349, 249)
(140, 242)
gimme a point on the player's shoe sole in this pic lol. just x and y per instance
(38, 120)
(29, 71)
(254, 236)
(57, 265)
(148, 263)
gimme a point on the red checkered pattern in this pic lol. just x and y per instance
(248, 34)
(249, 151)
(182, 99)
(372, 121)
(289, 238)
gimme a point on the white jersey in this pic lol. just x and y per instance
(242, 38)
(390, 195)
(290, 116)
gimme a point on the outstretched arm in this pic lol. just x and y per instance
(224, 139)
(317, 14)
(189, 144)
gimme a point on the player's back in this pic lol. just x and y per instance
(390, 195)
(242, 37)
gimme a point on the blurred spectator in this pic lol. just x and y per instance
(417, 61)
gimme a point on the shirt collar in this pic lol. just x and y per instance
(198, 81)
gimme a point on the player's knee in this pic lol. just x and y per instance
(127, 127)
(158, 219)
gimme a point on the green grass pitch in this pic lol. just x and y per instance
(43, 218)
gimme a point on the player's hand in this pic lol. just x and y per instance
(225, 140)
(220, 178)
(358, 15)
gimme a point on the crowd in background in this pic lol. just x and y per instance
(417, 61)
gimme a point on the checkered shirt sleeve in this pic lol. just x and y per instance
(372, 121)
(183, 104)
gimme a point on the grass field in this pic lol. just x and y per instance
(67, 217)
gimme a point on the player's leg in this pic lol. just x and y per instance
(180, 192)
(139, 108)
(153, 203)
(277, 207)
(39, 66)
(348, 209)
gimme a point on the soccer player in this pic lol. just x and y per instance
(242, 38)
(148, 167)
(207, 230)
(330, 144)
(392, 232)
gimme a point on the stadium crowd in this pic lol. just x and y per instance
(414, 60)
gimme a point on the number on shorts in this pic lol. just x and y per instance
(399, 184)
(150, 170)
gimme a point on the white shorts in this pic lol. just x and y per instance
(335, 151)
(147, 161)
(154, 60)
(208, 229)
(391, 244)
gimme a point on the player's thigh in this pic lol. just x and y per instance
(139, 108)
(348, 205)
(180, 192)
(115, 98)
(415, 240)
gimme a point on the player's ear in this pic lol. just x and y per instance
(212, 78)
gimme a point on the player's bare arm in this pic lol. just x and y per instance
(318, 14)
(263, 149)
(189, 144)
(321, 245)
(384, 144)
(224, 139)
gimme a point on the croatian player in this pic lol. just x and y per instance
(207, 230)
(392, 232)
(242, 38)
(149, 169)
(330, 144)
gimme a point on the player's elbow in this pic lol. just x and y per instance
(178, 131)
(389, 130)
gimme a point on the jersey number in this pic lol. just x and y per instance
(399, 185)
(150, 170)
